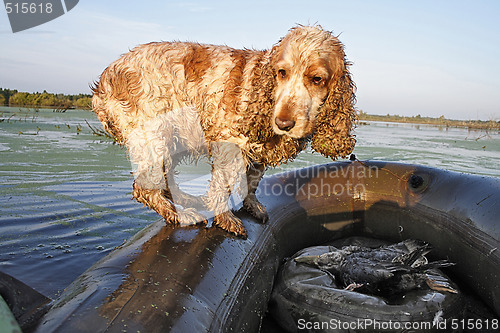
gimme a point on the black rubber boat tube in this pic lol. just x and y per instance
(198, 280)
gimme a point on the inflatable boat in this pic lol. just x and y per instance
(203, 280)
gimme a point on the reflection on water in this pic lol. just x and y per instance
(65, 194)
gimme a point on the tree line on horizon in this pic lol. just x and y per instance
(441, 121)
(12, 97)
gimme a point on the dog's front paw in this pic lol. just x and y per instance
(255, 208)
(229, 222)
(190, 216)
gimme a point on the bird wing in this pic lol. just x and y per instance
(363, 270)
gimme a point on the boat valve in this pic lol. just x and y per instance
(416, 181)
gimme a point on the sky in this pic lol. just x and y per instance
(422, 57)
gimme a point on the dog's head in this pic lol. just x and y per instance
(314, 93)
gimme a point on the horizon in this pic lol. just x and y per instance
(428, 58)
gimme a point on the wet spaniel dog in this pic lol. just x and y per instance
(246, 110)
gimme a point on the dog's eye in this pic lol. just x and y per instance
(316, 80)
(282, 73)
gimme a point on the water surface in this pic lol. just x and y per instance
(65, 193)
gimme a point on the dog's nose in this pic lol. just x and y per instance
(284, 124)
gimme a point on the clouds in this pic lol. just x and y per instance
(194, 6)
(72, 51)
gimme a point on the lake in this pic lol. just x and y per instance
(65, 193)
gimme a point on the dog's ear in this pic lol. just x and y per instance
(337, 117)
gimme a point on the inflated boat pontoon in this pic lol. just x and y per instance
(198, 279)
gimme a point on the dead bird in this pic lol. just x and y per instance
(386, 270)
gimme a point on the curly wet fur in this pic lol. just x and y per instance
(226, 95)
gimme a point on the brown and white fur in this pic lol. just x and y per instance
(246, 109)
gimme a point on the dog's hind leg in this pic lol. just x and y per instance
(150, 148)
(158, 200)
(189, 145)
(161, 202)
(180, 197)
